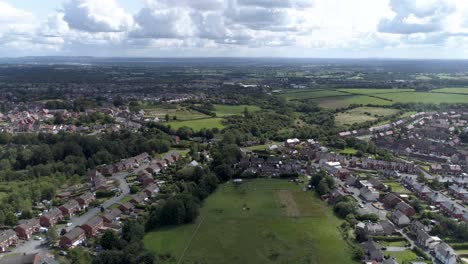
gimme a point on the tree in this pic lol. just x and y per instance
(11, 219)
(132, 231)
(322, 187)
(421, 178)
(167, 118)
(52, 234)
(109, 240)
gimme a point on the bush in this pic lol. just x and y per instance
(389, 238)
(104, 194)
(421, 253)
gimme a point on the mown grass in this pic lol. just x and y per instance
(363, 114)
(198, 124)
(452, 90)
(226, 233)
(228, 110)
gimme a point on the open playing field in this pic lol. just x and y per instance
(227, 110)
(363, 114)
(198, 124)
(260, 221)
(181, 113)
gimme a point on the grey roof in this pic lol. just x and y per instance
(94, 221)
(444, 249)
(390, 261)
(74, 233)
(7, 234)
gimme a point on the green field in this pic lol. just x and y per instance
(181, 113)
(363, 114)
(396, 187)
(345, 101)
(402, 256)
(375, 91)
(228, 110)
(309, 94)
(282, 225)
(198, 124)
(452, 90)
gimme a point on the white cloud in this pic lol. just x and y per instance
(96, 16)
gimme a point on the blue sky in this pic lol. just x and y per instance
(243, 28)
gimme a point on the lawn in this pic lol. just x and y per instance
(228, 110)
(198, 124)
(348, 151)
(307, 94)
(363, 114)
(403, 257)
(282, 225)
(396, 187)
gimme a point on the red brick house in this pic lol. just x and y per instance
(145, 179)
(405, 208)
(51, 218)
(73, 238)
(7, 238)
(69, 208)
(92, 226)
(112, 215)
(27, 228)
(85, 199)
(151, 190)
(126, 208)
(391, 200)
(139, 198)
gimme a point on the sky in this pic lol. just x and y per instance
(235, 28)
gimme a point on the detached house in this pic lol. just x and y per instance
(27, 228)
(85, 199)
(73, 238)
(51, 218)
(111, 216)
(391, 200)
(372, 251)
(7, 238)
(69, 208)
(126, 208)
(92, 226)
(151, 190)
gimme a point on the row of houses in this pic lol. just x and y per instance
(26, 228)
(446, 205)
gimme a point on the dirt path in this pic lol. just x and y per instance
(287, 201)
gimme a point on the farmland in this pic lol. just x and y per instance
(174, 111)
(228, 110)
(374, 91)
(452, 90)
(198, 123)
(260, 221)
(363, 114)
(308, 94)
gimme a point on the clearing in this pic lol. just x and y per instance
(252, 223)
(363, 114)
(198, 124)
(228, 110)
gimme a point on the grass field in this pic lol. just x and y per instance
(403, 256)
(182, 113)
(363, 114)
(345, 101)
(396, 187)
(228, 110)
(375, 91)
(282, 225)
(307, 94)
(198, 124)
(452, 90)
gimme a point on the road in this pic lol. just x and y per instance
(33, 246)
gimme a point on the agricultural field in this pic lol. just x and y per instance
(260, 221)
(345, 101)
(374, 91)
(310, 94)
(198, 123)
(452, 90)
(435, 98)
(363, 114)
(228, 110)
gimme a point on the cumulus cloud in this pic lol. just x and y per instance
(417, 16)
(96, 16)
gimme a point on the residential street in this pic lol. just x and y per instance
(33, 246)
